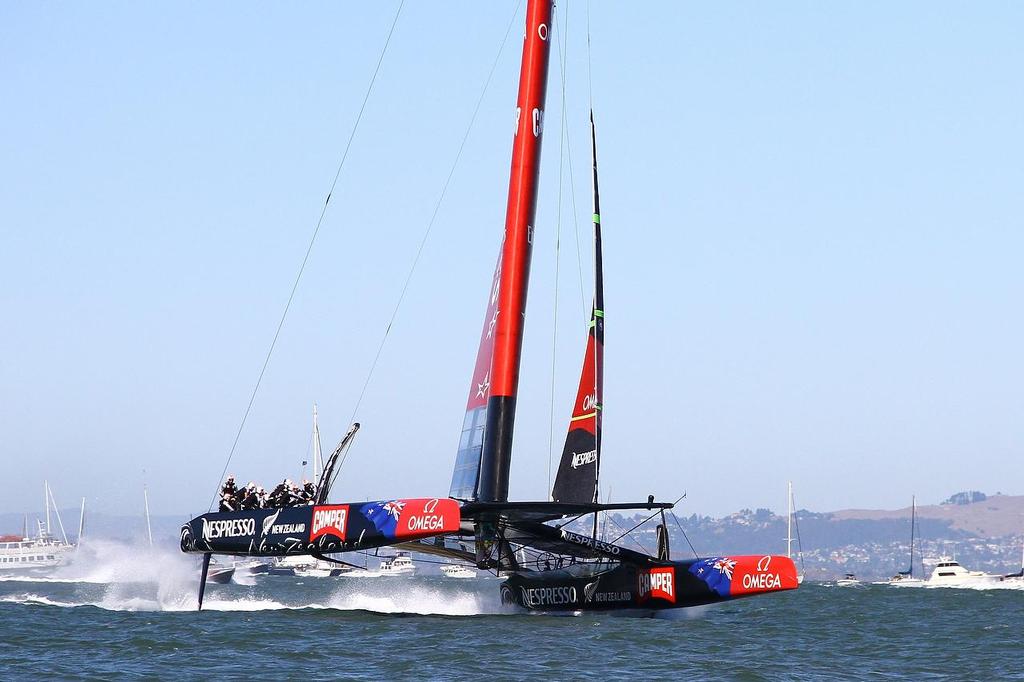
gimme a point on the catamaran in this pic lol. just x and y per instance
(547, 564)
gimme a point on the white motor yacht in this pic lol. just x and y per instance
(949, 573)
(398, 565)
(847, 580)
(457, 571)
(318, 568)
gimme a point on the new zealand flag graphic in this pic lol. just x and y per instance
(383, 515)
(716, 572)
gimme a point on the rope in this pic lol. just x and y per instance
(430, 224)
(309, 249)
(799, 543)
(627, 533)
(558, 238)
(685, 537)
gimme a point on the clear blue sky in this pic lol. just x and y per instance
(812, 218)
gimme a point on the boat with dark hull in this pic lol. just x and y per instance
(548, 551)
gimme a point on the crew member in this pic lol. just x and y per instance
(276, 497)
(228, 493)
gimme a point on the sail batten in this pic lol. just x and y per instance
(580, 466)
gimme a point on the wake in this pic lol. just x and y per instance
(115, 576)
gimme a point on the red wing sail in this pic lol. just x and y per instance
(467, 461)
(578, 470)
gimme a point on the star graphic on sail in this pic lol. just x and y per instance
(482, 388)
(490, 325)
(496, 286)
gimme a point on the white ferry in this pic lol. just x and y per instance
(18, 553)
(43, 552)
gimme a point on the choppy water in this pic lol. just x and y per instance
(124, 612)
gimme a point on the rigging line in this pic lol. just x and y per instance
(309, 249)
(590, 80)
(562, 52)
(558, 240)
(685, 536)
(627, 534)
(430, 223)
(648, 518)
(799, 543)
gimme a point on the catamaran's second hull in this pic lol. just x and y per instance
(606, 586)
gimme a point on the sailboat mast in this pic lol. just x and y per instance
(913, 521)
(46, 499)
(789, 521)
(597, 323)
(515, 254)
(149, 528)
(81, 523)
(579, 469)
(318, 463)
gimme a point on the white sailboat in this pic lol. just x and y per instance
(906, 578)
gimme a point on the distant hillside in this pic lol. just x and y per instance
(985, 535)
(995, 516)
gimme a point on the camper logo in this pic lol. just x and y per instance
(329, 520)
(658, 583)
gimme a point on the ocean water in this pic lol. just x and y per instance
(126, 612)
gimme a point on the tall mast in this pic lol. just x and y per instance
(580, 467)
(149, 528)
(318, 463)
(81, 523)
(56, 511)
(515, 254)
(789, 521)
(913, 518)
(46, 499)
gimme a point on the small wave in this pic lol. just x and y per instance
(43, 579)
(35, 600)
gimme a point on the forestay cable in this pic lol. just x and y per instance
(430, 223)
(309, 249)
(560, 44)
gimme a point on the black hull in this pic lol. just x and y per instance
(614, 586)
